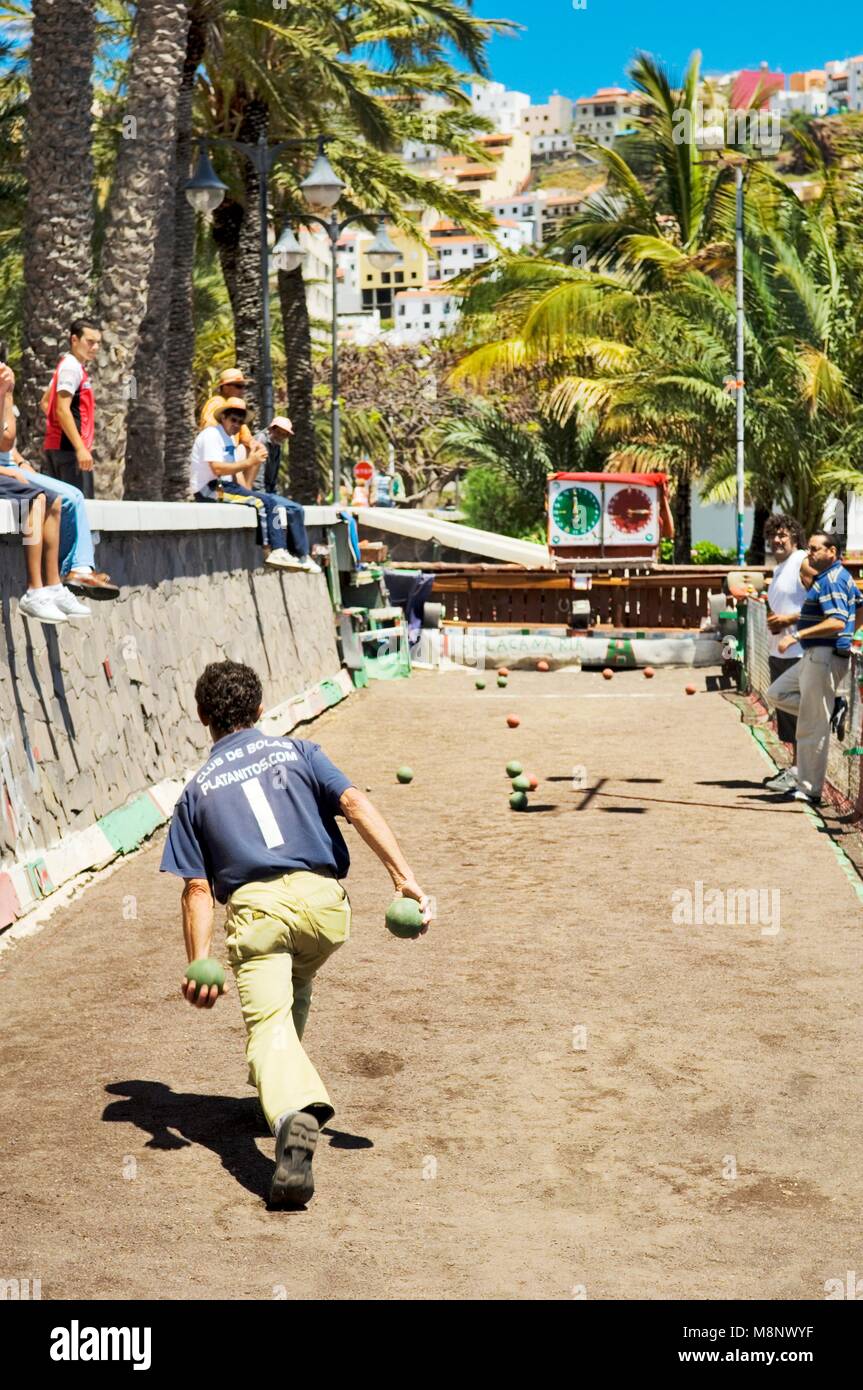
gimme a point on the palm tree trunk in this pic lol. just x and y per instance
(247, 297)
(144, 168)
(226, 227)
(58, 239)
(755, 553)
(304, 470)
(179, 388)
(683, 520)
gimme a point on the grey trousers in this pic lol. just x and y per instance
(808, 689)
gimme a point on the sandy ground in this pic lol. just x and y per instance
(560, 1092)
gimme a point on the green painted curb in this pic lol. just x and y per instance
(331, 692)
(125, 829)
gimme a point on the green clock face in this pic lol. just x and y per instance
(575, 511)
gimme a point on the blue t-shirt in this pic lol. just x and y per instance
(833, 595)
(259, 807)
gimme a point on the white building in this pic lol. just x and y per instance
(317, 276)
(811, 103)
(526, 209)
(548, 146)
(607, 114)
(502, 107)
(553, 117)
(425, 150)
(347, 268)
(425, 313)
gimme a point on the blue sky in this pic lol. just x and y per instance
(576, 51)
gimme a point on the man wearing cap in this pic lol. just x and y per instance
(213, 478)
(232, 382)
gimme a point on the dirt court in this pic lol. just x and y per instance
(562, 1091)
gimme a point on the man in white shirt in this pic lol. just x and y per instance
(217, 456)
(785, 595)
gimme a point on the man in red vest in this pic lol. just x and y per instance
(68, 404)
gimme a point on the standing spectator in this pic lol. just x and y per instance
(213, 479)
(785, 596)
(37, 511)
(272, 439)
(68, 403)
(77, 560)
(827, 622)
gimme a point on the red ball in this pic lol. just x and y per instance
(513, 721)
(690, 690)
(607, 674)
(502, 671)
(542, 666)
(649, 672)
(534, 781)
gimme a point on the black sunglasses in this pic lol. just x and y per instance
(234, 415)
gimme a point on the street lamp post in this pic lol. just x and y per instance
(322, 188)
(288, 254)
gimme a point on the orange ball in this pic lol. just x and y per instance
(503, 671)
(607, 674)
(649, 672)
(542, 666)
(534, 781)
(513, 721)
(690, 690)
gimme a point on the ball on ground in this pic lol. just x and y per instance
(649, 672)
(205, 972)
(518, 801)
(542, 666)
(513, 769)
(480, 685)
(513, 721)
(405, 774)
(503, 670)
(607, 674)
(404, 918)
(502, 682)
(690, 690)
(521, 783)
(534, 781)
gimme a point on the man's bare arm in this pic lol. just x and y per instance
(197, 905)
(370, 824)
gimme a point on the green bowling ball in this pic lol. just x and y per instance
(518, 801)
(480, 685)
(206, 971)
(405, 774)
(514, 769)
(521, 783)
(404, 918)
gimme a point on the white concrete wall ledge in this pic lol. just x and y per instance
(419, 524)
(170, 516)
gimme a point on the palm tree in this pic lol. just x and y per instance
(134, 230)
(58, 227)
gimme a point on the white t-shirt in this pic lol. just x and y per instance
(785, 595)
(70, 374)
(210, 446)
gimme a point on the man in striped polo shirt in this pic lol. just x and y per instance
(827, 622)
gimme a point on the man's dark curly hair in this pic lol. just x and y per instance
(780, 521)
(229, 695)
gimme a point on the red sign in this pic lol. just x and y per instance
(363, 471)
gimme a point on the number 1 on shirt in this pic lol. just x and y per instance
(263, 813)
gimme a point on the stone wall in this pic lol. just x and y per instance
(96, 710)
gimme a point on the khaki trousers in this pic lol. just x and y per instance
(279, 933)
(808, 690)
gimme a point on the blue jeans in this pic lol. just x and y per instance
(281, 521)
(76, 542)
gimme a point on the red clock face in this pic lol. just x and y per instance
(630, 510)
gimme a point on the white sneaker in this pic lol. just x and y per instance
(310, 566)
(66, 601)
(283, 560)
(786, 780)
(39, 604)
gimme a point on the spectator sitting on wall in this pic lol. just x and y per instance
(828, 619)
(232, 382)
(272, 439)
(70, 410)
(37, 511)
(77, 560)
(787, 591)
(213, 479)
